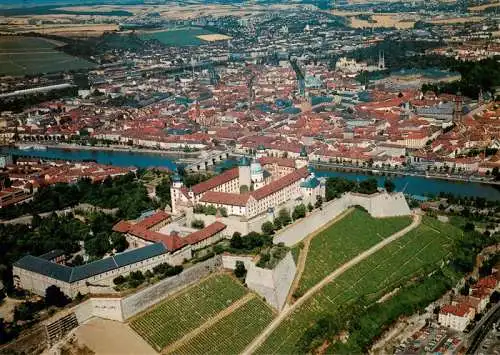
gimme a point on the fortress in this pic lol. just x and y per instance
(253, 188)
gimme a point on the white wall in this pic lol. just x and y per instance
(274, 284)
(229, 261)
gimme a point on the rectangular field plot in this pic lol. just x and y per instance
(353, 234)
(182, 313)
(421, 249)
(233, 333)
(28, 55)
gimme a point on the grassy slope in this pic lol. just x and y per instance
(233, 333)
(344, 240)
(172, 319)
(422, 248)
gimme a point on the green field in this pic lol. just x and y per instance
(29, 55)
(422, 249)
(178, 315)
(353, 234)
(178, 37)
(233, 333)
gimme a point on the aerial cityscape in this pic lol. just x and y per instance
(249, 177)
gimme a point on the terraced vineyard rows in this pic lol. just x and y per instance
(353, 234)
(233, 333)
(185, 312)
(425, 246)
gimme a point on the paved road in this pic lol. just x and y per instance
(254, 345)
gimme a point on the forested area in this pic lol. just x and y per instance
(58, 232)
(482, 75)
(124, 192)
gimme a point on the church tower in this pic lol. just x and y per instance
(245, 177)
(175, 191)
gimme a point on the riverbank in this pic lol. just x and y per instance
(124, 157)
(378, 171)
(112, 148)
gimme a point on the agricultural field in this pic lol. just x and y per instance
(28, 55)
(184, 312)
(418, 252)
(351, 235)
(233, 333)
(179, 37)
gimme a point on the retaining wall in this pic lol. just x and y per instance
(378, 205)
(147, 297)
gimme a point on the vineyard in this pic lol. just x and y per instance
(233, 333)
(344, 240)
(180, 314)
(422, 248)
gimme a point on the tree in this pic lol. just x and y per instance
(243, 189)
(211, 209)
(136, 275)
(55, 297)
(368, 186)
(98, 246)
(119, 242)
(299, 212)
(469, 227)
(119, 280)
(267, 228)
(319, 201)
(198, 224)
(389, 185)
(236, 241)
(310, 207)
(223, 211)
(77, 260)
(277, 224)
(284, 216)
(240, 271)
(162, 190)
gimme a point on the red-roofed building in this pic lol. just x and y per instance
(456, 316)
(207, 236)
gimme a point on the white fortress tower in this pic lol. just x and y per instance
(257, 175)
(175, 191)
(245, 176)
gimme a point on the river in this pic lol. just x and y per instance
(410, 184)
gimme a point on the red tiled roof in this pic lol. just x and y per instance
(225, 198)
(153, 220)
(488, 282)
(459, 310)
(280, 161)
(205, 233)
(226, 176)
(280, 183)
(122, 227)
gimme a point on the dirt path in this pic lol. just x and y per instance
(254, 345)
(176, 345)
(301, 263)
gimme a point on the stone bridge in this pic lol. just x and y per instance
(212, 159)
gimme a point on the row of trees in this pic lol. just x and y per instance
(284, 218)
(336, 186)
(210, 210)
(137, 278)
